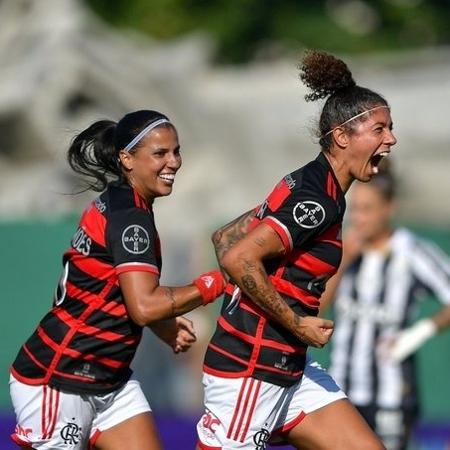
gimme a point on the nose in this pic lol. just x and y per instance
(174, 161)
(390, 138)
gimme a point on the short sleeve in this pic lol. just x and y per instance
(298, 215)
(132, 240)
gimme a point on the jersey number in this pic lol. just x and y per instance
(61, 290)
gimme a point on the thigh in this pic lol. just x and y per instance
(49, 419)
(124, 420)
(336, 426)
(136, 433)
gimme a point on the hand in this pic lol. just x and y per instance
(211, 285)
(410, 339)
(178, 333)
(314, 331)
(185, 335)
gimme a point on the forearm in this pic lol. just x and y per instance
(167, 302)
(252, 278)
(442, 318)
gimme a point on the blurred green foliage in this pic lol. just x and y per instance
(248, 29)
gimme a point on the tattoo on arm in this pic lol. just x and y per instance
(224, 238)
(171, 295)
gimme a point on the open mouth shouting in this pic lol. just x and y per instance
(376, 159)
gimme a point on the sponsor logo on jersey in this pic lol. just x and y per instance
(135, 239)
(309, 214)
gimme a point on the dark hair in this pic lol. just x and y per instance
(327, 76)
(385, 181)
(94, 152)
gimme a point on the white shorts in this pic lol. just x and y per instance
(50, 419)
(245, 413)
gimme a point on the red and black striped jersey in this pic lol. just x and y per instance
(306, 209)
(86, 342)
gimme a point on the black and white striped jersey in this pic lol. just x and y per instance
(377, 297)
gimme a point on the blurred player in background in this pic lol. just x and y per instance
(70, 383)
(259, 383)
(385, 273)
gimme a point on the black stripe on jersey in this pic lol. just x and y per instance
(115, 295)
(439, 263)
(27, 367)
(326, 252)
(223, 339)
(119, 325)
(120, 197)
(289, 362)
(85, 281)
(74, 306)
(223, 363)
(54, 328)
(40, 350)
(114, 350)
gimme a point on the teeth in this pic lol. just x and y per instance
(384, 153)
(168, 177)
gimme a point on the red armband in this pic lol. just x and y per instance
(211, 285)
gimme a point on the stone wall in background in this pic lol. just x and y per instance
(241, 128)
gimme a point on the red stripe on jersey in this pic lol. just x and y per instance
(331, 186)
(136, 267)
(237, 407)
(332, 236)
(115, 309)
(112, 308)
(77, 325)
(77, 355)
(281, 230)
(94, 267)
(287, 288)
(280, 193)
(93, 222)
(231, 356)
(311, 264)
(264, 342)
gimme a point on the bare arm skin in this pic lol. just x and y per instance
(148, 302)
(243, 261)
(225, 237)
(178, 333)
(442, 318)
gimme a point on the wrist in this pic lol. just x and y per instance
(211, 285)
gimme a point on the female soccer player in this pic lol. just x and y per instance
(259, 384)
(389, 270)
(70, 383)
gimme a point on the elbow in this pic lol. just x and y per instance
(230, 263)
(143, 315)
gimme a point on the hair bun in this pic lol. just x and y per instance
(324, 74)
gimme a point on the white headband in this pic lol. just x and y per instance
(146, 130)
(354, 117)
